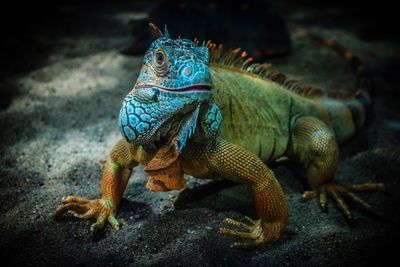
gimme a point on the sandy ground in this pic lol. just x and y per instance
(58, 122)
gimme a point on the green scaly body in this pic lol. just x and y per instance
(258, 113)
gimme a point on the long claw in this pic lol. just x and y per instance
(70, 207)
(114, 222)
(102, 210)
(308, 195)
(237, 223)
(337, 190)
(369, 208)
(250, 220)
(227, 231)
(99, 225)
(77, 200)
(368, 187)
(259, 231)
(342, 205)
(87, 215)
(323, 200)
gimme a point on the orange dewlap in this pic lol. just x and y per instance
(167, 179)
(165, 170)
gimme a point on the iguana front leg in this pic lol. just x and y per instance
(116, 174)
(313, 145)
(238, 164)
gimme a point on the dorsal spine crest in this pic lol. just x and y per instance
(238, 59)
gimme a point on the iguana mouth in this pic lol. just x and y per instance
(192, 88)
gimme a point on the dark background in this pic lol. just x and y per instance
(62, 80)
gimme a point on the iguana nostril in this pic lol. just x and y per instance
(187, 71)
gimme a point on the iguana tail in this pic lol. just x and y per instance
(349, 112)
(358, 103)
(364, 80)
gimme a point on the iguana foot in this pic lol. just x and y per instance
(258, 230)
(336, 191)
(100, 209)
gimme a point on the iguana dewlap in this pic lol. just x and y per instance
(228, 118)
(165, 170)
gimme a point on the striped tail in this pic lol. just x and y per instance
(358, 103)
(364, 80)
(349, 112)
(360, 107)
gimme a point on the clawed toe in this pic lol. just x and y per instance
(74, 205)
(77, 200)
(240, 224)
(75, 209)
(307, 195)
(337, 192)
(99, 209)
(250, 229)
(258, 231)
(368, 187)
(228, 231)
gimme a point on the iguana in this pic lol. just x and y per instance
(207, 112)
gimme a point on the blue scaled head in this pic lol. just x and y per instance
(165, 103)
(178, 66)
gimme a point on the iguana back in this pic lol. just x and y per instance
(258, 112)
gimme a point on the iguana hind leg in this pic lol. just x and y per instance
(238, 164)
(313, 145)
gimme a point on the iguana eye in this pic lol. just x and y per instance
(161, 65)
(160, 58)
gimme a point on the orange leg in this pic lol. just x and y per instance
(313, 145)
(238, 164)
(116, 174)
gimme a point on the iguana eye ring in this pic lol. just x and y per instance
(161, 66)
(159, 57)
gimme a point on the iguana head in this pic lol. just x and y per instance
(165, 102)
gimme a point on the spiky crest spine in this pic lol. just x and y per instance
(239, 60)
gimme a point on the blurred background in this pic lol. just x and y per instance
(65, 68)
(31, 30)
